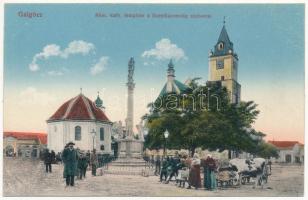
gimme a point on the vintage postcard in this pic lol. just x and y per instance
(155, 100)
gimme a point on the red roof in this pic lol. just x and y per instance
(284, 144)
(79, 108)
(41, 137)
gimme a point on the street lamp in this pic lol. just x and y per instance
(166, 135)
(93, 133)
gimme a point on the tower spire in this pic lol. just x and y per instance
(170, 69)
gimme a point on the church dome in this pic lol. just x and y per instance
(173, 86)
(79, 108)
(98, 102)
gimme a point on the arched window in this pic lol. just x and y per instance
(220, 46)
(101, 134)
(102, 147)
(77, 133)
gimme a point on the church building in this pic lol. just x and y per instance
(223, 66)
(81, 121)
(172, 85)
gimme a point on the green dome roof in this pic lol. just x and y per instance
(98, 102)
(175, 87)
(172, 85)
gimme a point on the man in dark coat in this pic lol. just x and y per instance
(164, 171)
(175, 166)
(88, 156)
(157, 165)
(53, 156)
(94, 162)
(70, 158)
(47, 161)
(82, 166)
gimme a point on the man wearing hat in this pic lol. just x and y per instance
(70, 158)
(94, 162)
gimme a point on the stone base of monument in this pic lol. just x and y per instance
(130, 148)
(126, 166)
(130, 161)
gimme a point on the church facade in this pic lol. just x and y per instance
(223, 66)
(81, 121)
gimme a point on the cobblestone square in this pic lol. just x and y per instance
(28, 178)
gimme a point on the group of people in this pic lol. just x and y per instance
(170, 166)
(75, 162)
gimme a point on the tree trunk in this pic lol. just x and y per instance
(229, 154)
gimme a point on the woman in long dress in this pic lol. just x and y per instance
(194, 173)
(209, 166)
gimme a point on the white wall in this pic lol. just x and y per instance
(65, 132)
(296, 151)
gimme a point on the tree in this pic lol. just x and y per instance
(266, 150)
(168, 120)
(203, 117)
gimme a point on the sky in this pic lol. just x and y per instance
(48, 58)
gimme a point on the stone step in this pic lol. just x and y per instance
(129, 172)
(134, 173)
(128, 165)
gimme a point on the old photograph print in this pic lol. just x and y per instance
(153, 100)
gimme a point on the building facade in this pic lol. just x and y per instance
(289, 151)
(23, 144)
(81, 121)
(223, 66)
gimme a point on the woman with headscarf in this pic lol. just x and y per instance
(209, 167)
(194, 173)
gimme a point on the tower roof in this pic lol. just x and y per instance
(79, 108)
(172, 85)
(223, 46)
(98, 102)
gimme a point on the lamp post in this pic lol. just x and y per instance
(166, 135)
(93, 133)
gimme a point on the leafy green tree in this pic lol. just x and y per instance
(203, 117)
(266, 150)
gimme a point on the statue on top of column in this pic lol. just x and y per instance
(131, 68)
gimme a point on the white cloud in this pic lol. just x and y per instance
(74, 47)
(100, 66)
(165, 50)
(33, 66)
(77, 47)
(50, 50)
(55, 73)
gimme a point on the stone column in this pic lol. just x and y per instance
(130, 109)
(130, 99)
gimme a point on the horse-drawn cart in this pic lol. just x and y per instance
(226, 177)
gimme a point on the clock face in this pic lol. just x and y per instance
(220, 64)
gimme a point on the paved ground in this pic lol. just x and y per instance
(27, 178)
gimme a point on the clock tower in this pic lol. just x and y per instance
(223, 66)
